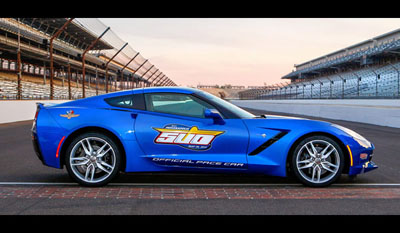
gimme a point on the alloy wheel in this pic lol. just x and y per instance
(318, 161)
(92, 159)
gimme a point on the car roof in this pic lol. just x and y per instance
(96, 99)
(185, 90)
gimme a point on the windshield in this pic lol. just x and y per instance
(231, 107)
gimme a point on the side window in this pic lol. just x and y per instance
(175, 103)
(135, 101)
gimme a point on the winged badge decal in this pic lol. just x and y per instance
(70, 114)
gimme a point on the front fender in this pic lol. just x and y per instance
(272, 160)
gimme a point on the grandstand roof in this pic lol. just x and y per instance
(74, 30)
(375, 46)
(70, 44)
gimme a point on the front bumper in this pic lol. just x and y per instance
(369, 166)
(363, 166)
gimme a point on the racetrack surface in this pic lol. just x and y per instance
(53, 192)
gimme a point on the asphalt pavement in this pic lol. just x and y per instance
(28, 187)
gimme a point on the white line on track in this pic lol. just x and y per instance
(192, 184)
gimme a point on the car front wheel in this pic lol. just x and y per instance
(317, 161)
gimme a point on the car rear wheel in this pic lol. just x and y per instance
(317, 161)
(93, 159)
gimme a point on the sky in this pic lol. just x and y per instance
(241, 51)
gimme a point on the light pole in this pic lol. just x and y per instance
(19, 86)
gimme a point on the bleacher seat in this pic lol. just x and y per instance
(30, 90)
(370, 85)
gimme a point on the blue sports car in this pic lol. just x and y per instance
(164, 129)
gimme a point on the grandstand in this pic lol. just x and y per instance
(226, 86)
(60, 58)
(369, 69)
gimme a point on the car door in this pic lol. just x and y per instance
(173, 132)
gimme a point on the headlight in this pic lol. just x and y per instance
(360, 139)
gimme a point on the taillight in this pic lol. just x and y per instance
(35, 119)
(37, 111)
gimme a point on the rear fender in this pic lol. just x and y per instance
(116, 123)
(49, 134)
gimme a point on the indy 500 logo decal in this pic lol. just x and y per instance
(188, 137)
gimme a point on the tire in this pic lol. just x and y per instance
(93, 159)
(317, 161)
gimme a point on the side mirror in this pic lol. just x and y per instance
(215, 115)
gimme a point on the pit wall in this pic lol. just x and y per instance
(383, 112)
(20, 110)
(378, 112)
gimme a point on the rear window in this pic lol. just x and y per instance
(135, 101)
(125, 101)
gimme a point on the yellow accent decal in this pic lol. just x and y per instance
(351, 156)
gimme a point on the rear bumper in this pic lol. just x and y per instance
(36, 147)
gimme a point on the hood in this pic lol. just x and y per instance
(287, 123)
(284, 117)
